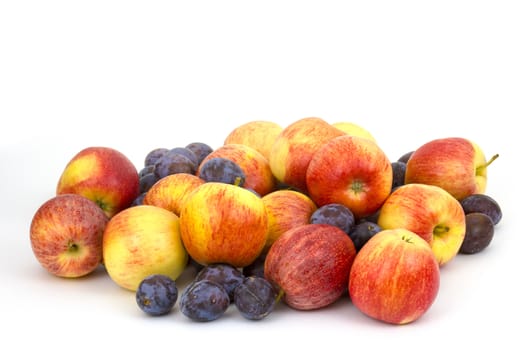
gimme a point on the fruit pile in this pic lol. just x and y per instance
(304, 214)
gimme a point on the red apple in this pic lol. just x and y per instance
(455, 164)
(294, 147)
(66, 235)
(395, 277)
(223, 223)
(140, 241)
(257, 134)
(255, 166)
(171, 191)
(429, 211)
(352, 171)
(104, 175)
(286, 209)
(310, 264)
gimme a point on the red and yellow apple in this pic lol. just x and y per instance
(223, 223)
(395, 277)
(259, 176)
(354, 130)
(430, 212)
(102, 174)
(294, 147)
(66, 235)
(311, 265)
(171, 191)
(455, 164)
(140, 241)
(257, 134)
(286, 209)
(352, 171)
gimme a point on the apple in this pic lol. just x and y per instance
(395, 277)
(223, 223)
(258, 134)
(102, 174)
(294, 147)
(352, 171)
(140, 241)
(259, 176)
(354, 130)
(286, 209)
(171, 191)
(66, 235)
(429, 211)
(455, 164)
(311, 265)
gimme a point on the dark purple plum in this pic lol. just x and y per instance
(398, 174)
(334, 214)
(156, 294)
(200, 149)
(255, 298)
(362, 232)
(204, 301)
(154, 155)
(405, 157)
(173, 163)
(482, 203)
(478, 234)
(222, 170)
(224, 274)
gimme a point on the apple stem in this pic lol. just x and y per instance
(237, 181)
(481, 167)
(72, 246)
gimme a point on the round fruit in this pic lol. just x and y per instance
(255, 298)
(479, 233)
(334, 214)
(398, 174)
(222, 170)
(156, 294)
(481, 203)
(362, 232)
(204, 301)
(226, 275)
(200, 149)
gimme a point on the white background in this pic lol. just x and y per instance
(140, 75)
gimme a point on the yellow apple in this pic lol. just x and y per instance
(354, 130)
(429, 211)
(286, 209)
(141, 241)
(171, 191)
(258, 134)
(223, 223)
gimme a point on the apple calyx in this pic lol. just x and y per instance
(72, 247)
(440, 230)
(357, 187)
(407, 239)
(482, 167)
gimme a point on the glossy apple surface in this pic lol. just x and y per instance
(223, 223)
(286, 209)
(66, 235)
(455, 164)
(141, 241)
(429, 211)
(311, 265)
(395, 277)
(102, 174)
(294, 147)
(258, 134)
(352, 171)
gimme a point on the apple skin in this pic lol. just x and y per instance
(286, 209)
(311, 265)
(259, 176)
(257, 134)
(223, 223)
(352, 171)
(104, 175)
(354, 130)
(455, 164)
(429, 211)
(66, 235)
(395, 277)
(171, 191)
(141, 241)
(294, 147)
